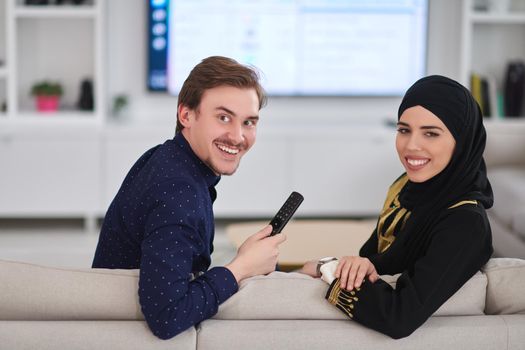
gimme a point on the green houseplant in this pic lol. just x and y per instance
(47, 95)
(120, 102)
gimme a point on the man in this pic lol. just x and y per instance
(161, 220)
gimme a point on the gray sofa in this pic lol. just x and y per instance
(505, 156)
(55, 308)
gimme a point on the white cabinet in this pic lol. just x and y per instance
(58, 43)
(256, 189)
(262, 182)
(65, 171)
(491, 38)
(341, 172)
(49, 173)
(122, 147)
(344, 172)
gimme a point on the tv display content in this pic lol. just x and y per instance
(302, 47)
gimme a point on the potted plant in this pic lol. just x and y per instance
(120, 103)
(47, 95)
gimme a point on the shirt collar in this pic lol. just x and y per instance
(208, 174)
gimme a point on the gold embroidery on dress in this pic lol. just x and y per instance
(459, 204)
(385, 236)
(344, 300)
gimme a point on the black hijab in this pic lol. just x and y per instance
(465, 177)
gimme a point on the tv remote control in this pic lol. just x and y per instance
(285, 213)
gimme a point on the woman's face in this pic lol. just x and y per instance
(423, 143)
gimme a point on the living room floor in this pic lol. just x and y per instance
(65, 243)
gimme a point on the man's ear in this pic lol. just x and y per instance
(185, 115)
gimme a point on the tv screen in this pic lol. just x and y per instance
(302, 47)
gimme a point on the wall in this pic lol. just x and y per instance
(127, 61)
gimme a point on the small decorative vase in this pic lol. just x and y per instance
(47, 103)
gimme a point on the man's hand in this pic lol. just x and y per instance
(352, 270)
(257, 255)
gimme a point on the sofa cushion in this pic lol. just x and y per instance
(468, 300)
(518, 221)
(505, 241)
(508, 185)
(279, 295)
(297, 296)
(438, 333)
(506, 286)
(33, 292)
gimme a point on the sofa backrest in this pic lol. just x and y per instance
(286, 296)
(33, 292)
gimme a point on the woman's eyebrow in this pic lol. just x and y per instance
(424, 127)
(428, 127)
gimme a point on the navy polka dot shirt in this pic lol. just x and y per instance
(161, 221)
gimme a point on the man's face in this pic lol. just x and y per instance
(223, 127)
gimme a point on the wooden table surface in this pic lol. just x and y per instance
(310, 239)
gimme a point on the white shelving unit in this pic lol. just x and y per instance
(3, 90)
(491, 39)
(62, 43)
(62, 11)
(3, 66)
(56, 156)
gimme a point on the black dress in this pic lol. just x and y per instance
(434, 233)
(457, 246)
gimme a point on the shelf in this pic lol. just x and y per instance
(47, 123)
(52, 118)
(511, 121)
(58, 115)
(56, 12)
(498, 18)
(505, 125)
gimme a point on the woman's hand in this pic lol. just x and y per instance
(310, 268)
(352, 270)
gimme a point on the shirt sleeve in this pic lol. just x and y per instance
(460, 246)
(170, 299)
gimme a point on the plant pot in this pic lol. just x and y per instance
(47, 103)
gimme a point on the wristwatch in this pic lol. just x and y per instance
(321, 262)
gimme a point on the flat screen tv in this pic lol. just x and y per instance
(302, 47)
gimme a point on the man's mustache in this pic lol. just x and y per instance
(228, 142)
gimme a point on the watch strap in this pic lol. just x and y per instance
(321, 262)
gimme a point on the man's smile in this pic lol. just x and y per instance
(227, 148)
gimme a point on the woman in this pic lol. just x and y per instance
(433, 228)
